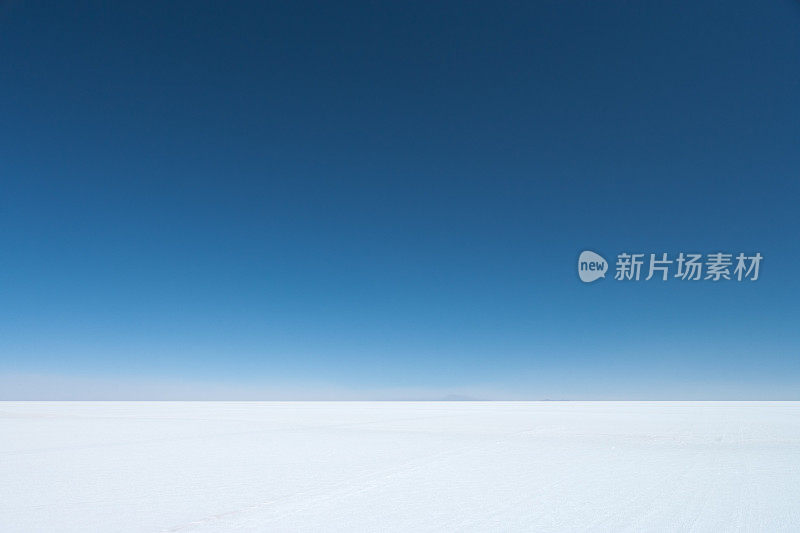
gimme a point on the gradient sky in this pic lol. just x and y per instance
(387, 200)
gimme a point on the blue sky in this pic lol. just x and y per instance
(387, 200)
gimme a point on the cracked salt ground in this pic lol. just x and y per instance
(399, 466)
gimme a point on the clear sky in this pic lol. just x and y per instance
(387, 200)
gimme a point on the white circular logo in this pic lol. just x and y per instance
(591, 266)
